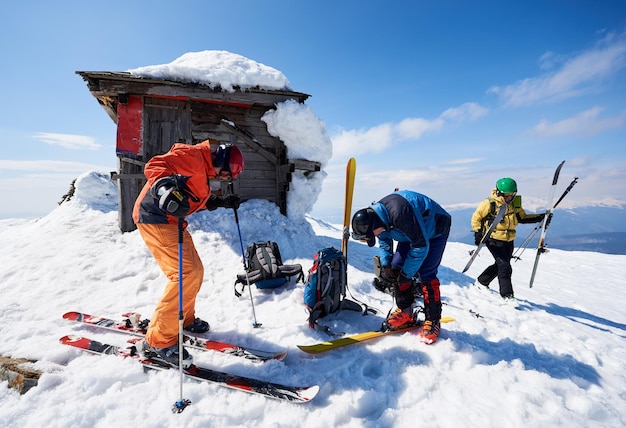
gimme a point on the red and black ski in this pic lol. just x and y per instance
(294, 394)
(131, 324)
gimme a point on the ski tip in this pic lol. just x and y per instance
(71, 339)
(310, 349)
(280, 356)
(64, 339)
(309, 393)
(72, 315)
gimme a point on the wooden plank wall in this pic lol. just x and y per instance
(167, 121)
(262, 178)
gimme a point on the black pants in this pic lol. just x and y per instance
(502, 252)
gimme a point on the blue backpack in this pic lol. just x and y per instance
(326, 287)
(265, 268)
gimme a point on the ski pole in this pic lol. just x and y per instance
(255, 324)
(574, 181)
(522, 247)
(180, 405)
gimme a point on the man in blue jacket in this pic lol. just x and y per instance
(421, 228)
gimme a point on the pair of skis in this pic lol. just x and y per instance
(541, 246)
(294, 394)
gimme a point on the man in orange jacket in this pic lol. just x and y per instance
(178, 185)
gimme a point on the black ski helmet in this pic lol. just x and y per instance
(363, 225)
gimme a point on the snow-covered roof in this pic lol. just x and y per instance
(216, 68)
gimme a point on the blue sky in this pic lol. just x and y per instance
(440, 97)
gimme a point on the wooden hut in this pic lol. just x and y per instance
(153, 114)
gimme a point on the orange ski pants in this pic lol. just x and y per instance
(162, 241)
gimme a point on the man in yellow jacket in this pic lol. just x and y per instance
(500, 243)
(179, 185)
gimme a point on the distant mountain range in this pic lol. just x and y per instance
(591, 228)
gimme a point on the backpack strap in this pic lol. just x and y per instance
(314, 322)
(291, 270)
(346, 304)
(354, 305)
(285, 271)
(357, 305)
(486, 221)
(268, 261)
(245, 278)
(492, 209)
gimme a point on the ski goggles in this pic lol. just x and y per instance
(507, 196)
(222, 160)
(370, 240)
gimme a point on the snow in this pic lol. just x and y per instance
(216, 68)
(305, 137)
(559, 360)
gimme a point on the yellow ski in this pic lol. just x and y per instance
(347, 205)
(321, 347)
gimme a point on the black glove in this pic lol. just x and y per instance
(228, 201)
(213, 203)
(478, 236)
(231, 201)
(389, 274)
(172, 196)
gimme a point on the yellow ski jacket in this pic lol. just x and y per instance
(515, 214)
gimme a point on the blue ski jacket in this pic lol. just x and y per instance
(410, 217)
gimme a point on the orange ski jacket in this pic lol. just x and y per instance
(191, 161)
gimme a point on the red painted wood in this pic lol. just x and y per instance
(130, 126)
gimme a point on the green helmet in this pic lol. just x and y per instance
(506, 185)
